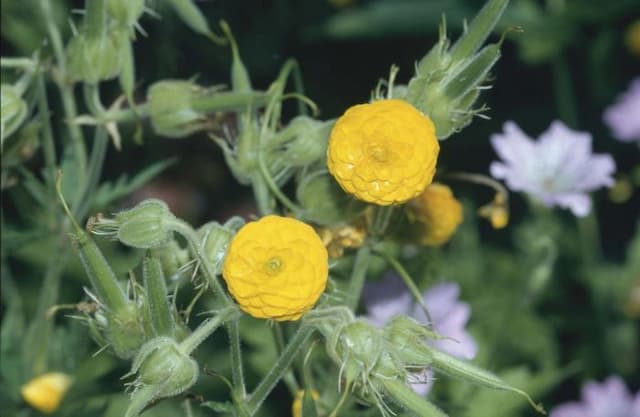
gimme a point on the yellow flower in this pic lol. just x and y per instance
(296, 407)
(439, 213)
(44, 393)
(276, 268)
(384, 152)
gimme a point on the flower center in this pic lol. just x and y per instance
(380, 153)
(273, 266)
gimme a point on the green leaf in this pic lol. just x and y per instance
(220, 407)
(112, 191)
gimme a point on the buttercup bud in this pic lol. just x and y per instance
(437, 213)
(216, 238)
(13, 110)
(94, 54)
(306, 140)
(448, 81)
(170, 108)
(145, 226)
(164, 370)
(125, 12)
(324, 202)
(179, 108)
(408, 337)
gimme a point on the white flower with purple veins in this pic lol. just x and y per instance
(559, 169)
(389, 297)
(623, 117)
(609, 399)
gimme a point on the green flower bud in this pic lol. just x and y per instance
(145, 226)
(179, 108)
(407, 336)
(170, 108)
(94, 54)
(307, 140)
(13, 110)
(94, 58)
(125, 12)
(324, 202)
(162, 362)
(365, 358)
(216, 238)
(23, 146)
(164, 370)
(448, 81)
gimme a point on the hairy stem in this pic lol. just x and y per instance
(358, 276)
(278, 370)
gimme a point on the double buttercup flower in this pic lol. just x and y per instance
(384, 152)
(276, 268)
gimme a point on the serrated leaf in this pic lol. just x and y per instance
(33, 186)
(112, 191)
(220, 407)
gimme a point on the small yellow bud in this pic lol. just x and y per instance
(45, 392)
(438, 212)
(621, 191)
(496, 212)
(632, 306)
(632, 38)
(296, 407)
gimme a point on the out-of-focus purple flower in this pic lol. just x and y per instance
(389, 297)
(623, 117)
(559, 169)
(608, 399)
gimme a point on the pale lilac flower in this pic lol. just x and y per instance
(559, 169)
(390, 297)
(623, 117)
(609, 399)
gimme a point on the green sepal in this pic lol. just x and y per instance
(125, 12)
(407, 398)
(448, 80)
(240, 80)
(157, 299)
(479, 29)
(475, 375)
(125, 330)
(13, 111)
(103, 280)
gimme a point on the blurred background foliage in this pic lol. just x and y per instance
(548, 312)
